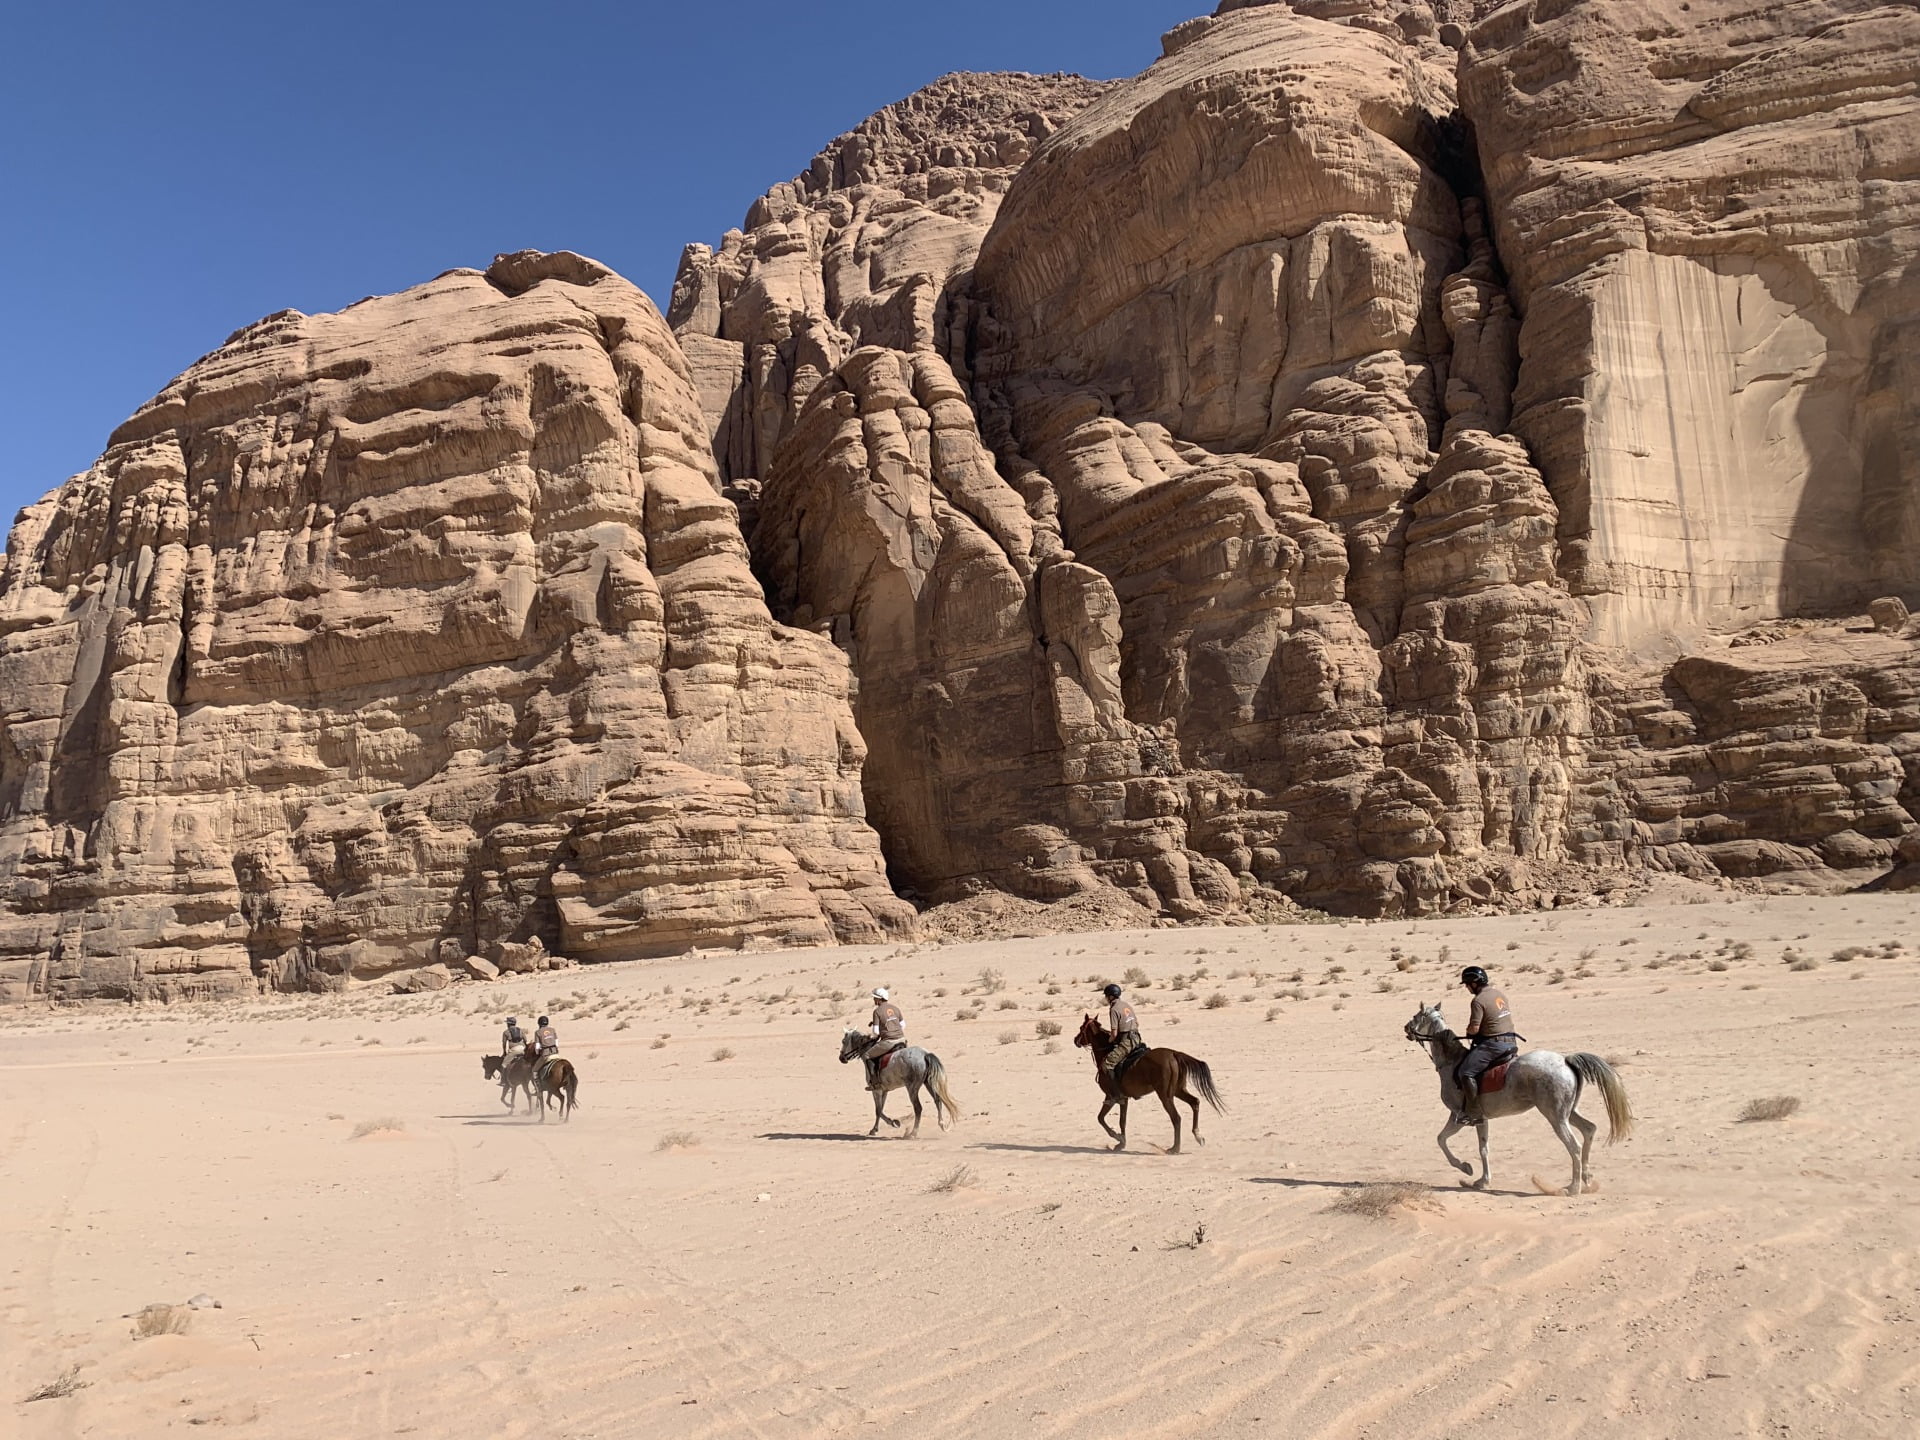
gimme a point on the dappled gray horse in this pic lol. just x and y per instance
(907, 1069)
(1538, 1080)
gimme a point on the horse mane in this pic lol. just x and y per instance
(1451, 1045)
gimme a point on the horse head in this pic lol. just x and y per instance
(490, 1066)
(1089, 1031)
(852, 1042)
(1426, 1025)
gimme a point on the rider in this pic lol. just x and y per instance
(1490, 1033)
(888, 1027)
(546, 1042)
(513, 1042)
(1123, 1029)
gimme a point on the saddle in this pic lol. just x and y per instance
(1495, 1079)
(881, 1062)
(1126, 1064)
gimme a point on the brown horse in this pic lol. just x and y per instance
(519, 1076)
(1165, 1073)
(557, 1079)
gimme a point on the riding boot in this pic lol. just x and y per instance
(873, 1077)
(1470, 1104)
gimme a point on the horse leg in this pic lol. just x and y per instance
(1194, 1101)
(1586, 1128)
(1166, 1099)
(1112, 1100)
(1565, 1131)
(913, 1094)
(1486, 1169)
(1451, 1129)
(1123, 1124)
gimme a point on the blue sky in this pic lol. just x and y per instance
(169, 173)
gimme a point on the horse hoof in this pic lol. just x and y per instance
(1463, 1169)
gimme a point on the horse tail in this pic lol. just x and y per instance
(1200, 1074)
(937, 1083)
(1595, 1071)
(573, 1088)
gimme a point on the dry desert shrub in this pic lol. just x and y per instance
(386, 1125)
(1052, 1047)
(1384, 1200)
(1717, 966)
(676, 1140)
(1046, 1029)
(161, 1320)
(992, 980)
(953, 1180)
(61, 1386)
(1217, 1001)
(661, 1044)
(1009, 1037)
(723, 1053)
(1136, 978)
(1007, 1002)
(1772, 1107)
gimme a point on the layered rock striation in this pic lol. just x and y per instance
(401, 634)
(1393, 454)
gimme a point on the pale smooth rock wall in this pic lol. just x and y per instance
(392, 636)
(1709, 212)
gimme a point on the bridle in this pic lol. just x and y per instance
(1423, 1037)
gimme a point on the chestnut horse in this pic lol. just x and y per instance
(556, 1079)
(1165, 1073)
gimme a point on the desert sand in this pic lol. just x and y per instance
(461, 1272)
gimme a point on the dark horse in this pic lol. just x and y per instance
(1165, 1073)
(519, 1076)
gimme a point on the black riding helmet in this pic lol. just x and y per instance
(1473, 975)
(543, 1019)
(1112, 992)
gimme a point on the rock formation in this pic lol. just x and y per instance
(1394, 454)
(381, 638)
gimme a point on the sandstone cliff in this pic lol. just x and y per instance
(1390, 455)
(399, 634)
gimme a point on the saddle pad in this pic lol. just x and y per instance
(1126, 1062)
(1495, 1079)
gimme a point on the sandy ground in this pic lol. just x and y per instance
(470, 1274)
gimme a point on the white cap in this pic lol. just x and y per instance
(879, 992)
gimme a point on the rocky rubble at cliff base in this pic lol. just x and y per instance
(1385, 458)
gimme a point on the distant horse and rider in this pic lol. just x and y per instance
(533, 1066)
(1538, 1080)
(1127, 1070)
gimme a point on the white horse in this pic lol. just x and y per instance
(1538, 1080)
(907, 1069)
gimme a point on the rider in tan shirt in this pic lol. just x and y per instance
(1123, 1028)
(1490, 1033)
(889, 1030)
